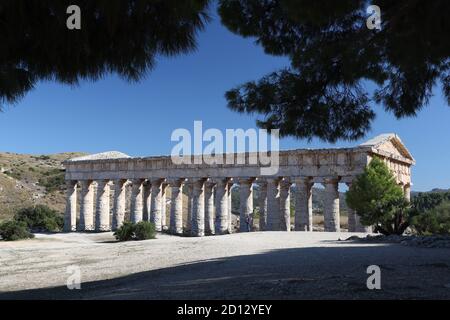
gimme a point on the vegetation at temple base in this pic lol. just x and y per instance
(129, 231)
(378, 200)
(14, 230)
(40, 219)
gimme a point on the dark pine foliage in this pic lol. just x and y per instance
(333, 55)
(116, 36)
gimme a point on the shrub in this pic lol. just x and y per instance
(144, 231)
(136, 231)
(434, 221)
(52, 180)
(14, 230)
(125, 232)
(41, 219)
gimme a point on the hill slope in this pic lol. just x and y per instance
(27, 180)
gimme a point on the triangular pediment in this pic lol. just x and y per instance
(391, 144)
(102, 156)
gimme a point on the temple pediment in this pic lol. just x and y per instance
(102, 156)
(389, 145)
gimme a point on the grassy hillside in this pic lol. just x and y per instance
(27, 180)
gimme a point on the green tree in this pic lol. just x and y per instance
(333, 55)
(434, 221)
(116, 36)
(428, 200)
(378, 200)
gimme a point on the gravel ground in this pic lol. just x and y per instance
(267, 265)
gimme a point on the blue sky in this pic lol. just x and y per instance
(138, 119)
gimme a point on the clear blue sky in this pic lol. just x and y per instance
(138, 119)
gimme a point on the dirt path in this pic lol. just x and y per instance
(270, 265)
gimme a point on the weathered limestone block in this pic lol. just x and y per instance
(246, 203)
(147, 202)
(119, 203)
(87, 206)
(156, 214)
(285, 204)
(407, 191)
(303, 204)
(331, 205)
(189, 189)
(351, 220)
(262, 204)
(354, 222)
(102, 221)
(230, 206)
(273, 204)
(221, 204)
(163, 206)
(176, 207)
(351, 215)
(137, 198)
(70, 216)
(198, 208)
(209, 207)
(359, 227)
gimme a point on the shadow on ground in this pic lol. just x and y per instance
(301, 273)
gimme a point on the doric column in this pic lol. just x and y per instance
(198, 208)
(137, 198)
(273, 204)
(303, 204)
(407, 191)
(354, 222)
(221, 204)
(359, 227)
(147, 202)
(163, 207)
(230, 206)
(188, 186)
(285, 204)
(70, 216)
(102, 221)
(209, 207)
(119, 203)
(155, 215)
(176, 206)
(331, 205)
(262, 201)
(351, 220)
(246, 203)
(351, 215)
(87, 206)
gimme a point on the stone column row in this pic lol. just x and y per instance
(209, 205)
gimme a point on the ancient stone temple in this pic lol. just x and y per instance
(105, 189)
